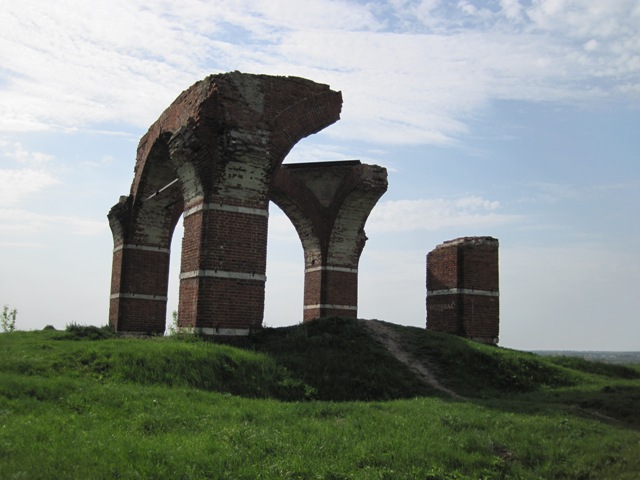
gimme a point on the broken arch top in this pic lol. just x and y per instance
(230, 115)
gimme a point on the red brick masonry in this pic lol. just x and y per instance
(214, 157)
(463, 288)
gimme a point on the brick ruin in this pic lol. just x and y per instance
(214, 158)
(463, 288)
(328, 203)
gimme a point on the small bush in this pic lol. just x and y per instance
(173, 328)
(73, 331)
(8, 319)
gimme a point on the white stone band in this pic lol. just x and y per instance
(223, 274)
(465, 291)
(328, 305)
(138, 296)
(329, 268)
(146, 248)
(226, 208)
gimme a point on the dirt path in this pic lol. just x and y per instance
(388, 337)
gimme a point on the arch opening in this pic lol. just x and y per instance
(284, 289)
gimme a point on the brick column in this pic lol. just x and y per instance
(463, 288)
(330, 291)
(222, 274)
(140, 269)
(329, 203)
(138, 301)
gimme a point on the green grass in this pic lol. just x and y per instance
(319, 401)
(340, 361)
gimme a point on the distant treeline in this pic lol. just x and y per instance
(621, 358)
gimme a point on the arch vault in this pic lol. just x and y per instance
(214, 157)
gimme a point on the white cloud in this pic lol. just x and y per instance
(435, 214)
(74, 64)
(19, 184)
(591, 45)
(392, 286)
(553, 193)
(15, 221)
(17, 152)
(584, 18)
(511, 9)
(313, 15)
(105, 161)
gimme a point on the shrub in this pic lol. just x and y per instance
(73, 331)
(173, 328)
(8, 319)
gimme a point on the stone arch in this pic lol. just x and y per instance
(297, 201)
(329, 203)
(358, 194)
(142, 225)
(220, 142)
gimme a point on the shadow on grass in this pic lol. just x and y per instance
(341, 361)
(523, 382)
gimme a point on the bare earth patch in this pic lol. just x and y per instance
(389, 339)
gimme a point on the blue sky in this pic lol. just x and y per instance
(515, 119)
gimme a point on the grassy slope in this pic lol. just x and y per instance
(124, 408)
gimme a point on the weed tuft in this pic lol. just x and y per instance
(8, 319)
(74, 331)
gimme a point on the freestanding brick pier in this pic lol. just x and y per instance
(328, 203)
(214, 157)
(463, 288)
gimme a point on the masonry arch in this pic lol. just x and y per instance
(220, 143)
(142, 225)
(328, 203)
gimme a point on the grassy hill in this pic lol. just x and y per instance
(324, 400)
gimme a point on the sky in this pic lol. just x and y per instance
(514, 119)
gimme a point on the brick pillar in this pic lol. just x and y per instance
(138, 301)
(222, 274)
(329, 203)
(140, 268)
(329, 291)
(463, 288)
